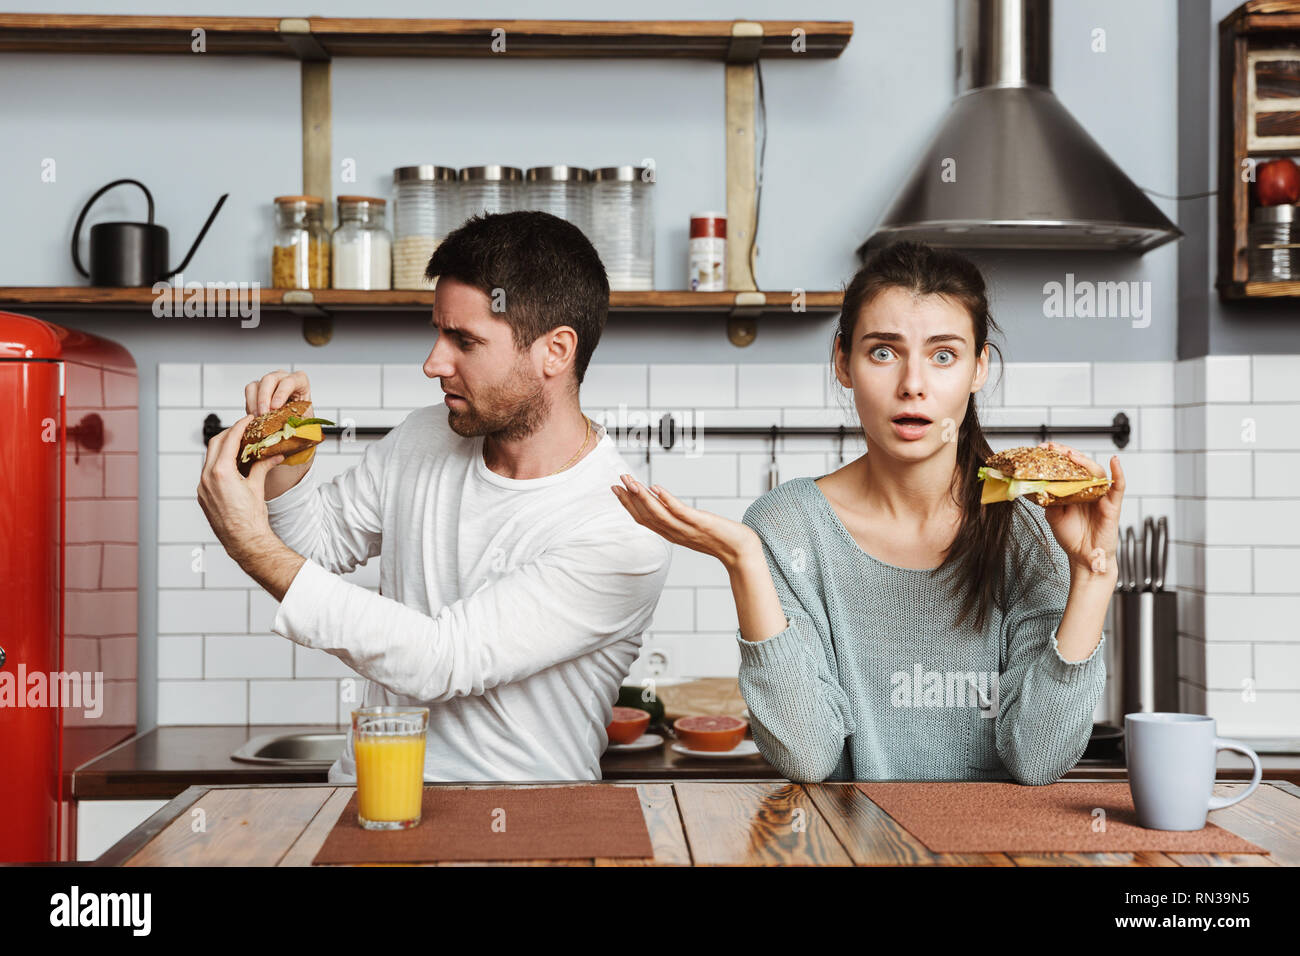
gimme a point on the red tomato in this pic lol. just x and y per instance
(1277, 182)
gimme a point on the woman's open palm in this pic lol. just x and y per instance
(692, 528)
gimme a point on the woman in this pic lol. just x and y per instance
(891, 627)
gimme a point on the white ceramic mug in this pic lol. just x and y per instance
(1171, 760)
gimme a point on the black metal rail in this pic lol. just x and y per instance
(668, 430)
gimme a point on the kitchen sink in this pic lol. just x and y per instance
(293, 750)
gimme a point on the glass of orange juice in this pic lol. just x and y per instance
(389, 746)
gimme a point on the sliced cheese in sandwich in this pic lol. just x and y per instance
(311, 432)
(998, 487)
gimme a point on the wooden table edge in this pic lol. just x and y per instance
(160, 819)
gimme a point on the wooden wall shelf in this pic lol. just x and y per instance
(1259, 118)
(320, 38)
(315, 41)
(328, 301)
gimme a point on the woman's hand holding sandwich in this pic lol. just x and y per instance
(1088, 532)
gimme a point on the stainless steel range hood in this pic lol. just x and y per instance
(1010, 168)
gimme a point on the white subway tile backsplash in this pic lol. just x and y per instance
(202, 702)
(1277, 667)
(676, 608)
(292, 701)
(224, 384)
(1008, 415)
(715, 610)
(1263, 714)
(1189, 382)
(1226, 665)
(1234, 510)
(1252, 427)
(180, 384)
(609, 386)
(1276, 474)
(221, 571)
(311, 662)
(1227, 378)
(691, 568)
(180, 657)
(178, 475)
(713, 474)
(1227, 474)
(181, 519)
(262, 609)
(1277, 571)
(181, 430)
(1123, 384)
(345, 384)
(1045, 383)
(404, 386)
(1155, 429)
(1228, 570)
(1189, 428)
(180, 565)
(1275, 378)
(223, 612)
(1230, 521)
(787, 386)
(754, 470)
(247, 655)
(686, 386)
(1252, 617)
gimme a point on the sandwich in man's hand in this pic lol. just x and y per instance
(285, 431)
(1044, 476)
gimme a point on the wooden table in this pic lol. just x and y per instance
(691, 823)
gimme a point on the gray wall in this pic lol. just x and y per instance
(841, 134)
(1208, 325)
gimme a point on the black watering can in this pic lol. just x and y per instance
(125, 254)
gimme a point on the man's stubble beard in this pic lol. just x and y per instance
(505, 415)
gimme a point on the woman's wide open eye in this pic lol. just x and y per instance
(876, 353)
(952, 356)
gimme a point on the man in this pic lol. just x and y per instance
(514, 587)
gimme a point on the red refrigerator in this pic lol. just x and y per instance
(68, 558)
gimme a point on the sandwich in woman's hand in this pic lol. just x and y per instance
(1044, 476)
(285, 431)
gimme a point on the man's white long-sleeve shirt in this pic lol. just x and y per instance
(512, 609)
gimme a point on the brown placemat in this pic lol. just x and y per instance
(500, 823)
(1058, 818)
(707, 696)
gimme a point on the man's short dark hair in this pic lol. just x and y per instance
(548, 272)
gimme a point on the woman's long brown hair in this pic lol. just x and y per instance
(978, 552)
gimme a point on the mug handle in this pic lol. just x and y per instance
(1220, 743)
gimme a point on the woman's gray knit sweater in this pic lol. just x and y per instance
(871, 680)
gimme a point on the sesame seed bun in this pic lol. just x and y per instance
(1044, 464)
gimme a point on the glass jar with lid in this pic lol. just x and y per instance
(622, 225)
(300, 251)
(425, 209)
(362, 247)
(563, 191)
(490, 189)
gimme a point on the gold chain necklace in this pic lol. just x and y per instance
(579, 451)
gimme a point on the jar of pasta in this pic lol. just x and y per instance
(300, 253)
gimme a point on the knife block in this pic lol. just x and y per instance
(1146, 637)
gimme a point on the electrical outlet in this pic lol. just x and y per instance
(656, 663)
